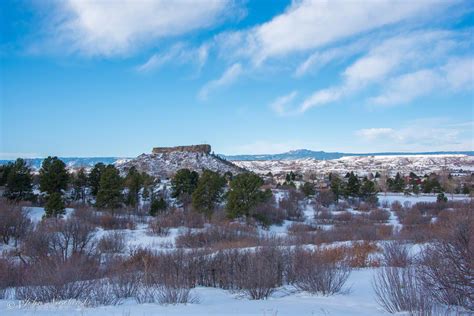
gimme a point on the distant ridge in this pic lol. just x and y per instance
(88, 162)
(322, 155)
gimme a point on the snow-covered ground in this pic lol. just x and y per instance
(360, 301)
(412, 199)
(420, 164)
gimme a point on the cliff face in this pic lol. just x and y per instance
(203, 148)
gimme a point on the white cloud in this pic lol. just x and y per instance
(389, 59)
(373, 133)
(228, 77)
(420, 135)
(321, 97)
(178, 54)
(457, 74)
(310, 24)
(281, 104)
(319, 59)
(109, 28)
(407, 87)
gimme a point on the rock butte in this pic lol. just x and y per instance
(202, 148)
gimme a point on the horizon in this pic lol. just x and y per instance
(414, 153)
(101, 79)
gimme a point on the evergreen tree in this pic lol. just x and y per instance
(18, 181)
(4, 170)
(208, 191)
(308, 189)
(53, 175)
(353, 186)
(336, 186)
(245, 193)
(183, 184)
(54, 205)
(397, 184)
(79, 183)
(94, 178)
(441, 198)
(109, 195)
(431, 184)
(368, 192)
(157, 206)
(134, 182)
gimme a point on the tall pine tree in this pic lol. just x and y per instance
(53, 175)
(18, 181)
(110, 195)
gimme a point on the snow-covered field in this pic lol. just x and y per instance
(359, 300)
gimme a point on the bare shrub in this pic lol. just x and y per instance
(14, 221)
(59, 238)
(379, 215)
(359, 254)
(10, 275)
(396, 207)
(112, 243)
(325, 197)
(396, 254)
(115, 221)
(155, 226)
(51, 279)
(269, 213)
(231, 234)
(323, 216)
(447, 265)
(296, 228)
(318, 272)
(399, 290)
(260, 273)
(165, 295)
(343, 217)
(291, 204)
(102, 294)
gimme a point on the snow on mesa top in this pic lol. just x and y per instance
(165, 161)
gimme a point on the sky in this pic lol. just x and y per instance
(115, 78)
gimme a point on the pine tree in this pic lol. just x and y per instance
(397, 184)
(109, 195)
(336, 186)
(134, 182)
(94, 178)
(18, 181)
(53, 175)
(158, 206)
(4, 170)
(245, 193)
(368, 192)
(208, 191)
(183, 184)
(308, 189)
(79, 184)
(353, 186)
(54, 205)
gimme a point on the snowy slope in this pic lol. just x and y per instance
(419, 164)
(166, 164)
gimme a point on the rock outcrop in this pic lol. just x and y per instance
(203, 148)
(164, 162)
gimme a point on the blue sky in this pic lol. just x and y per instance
(115, 78)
